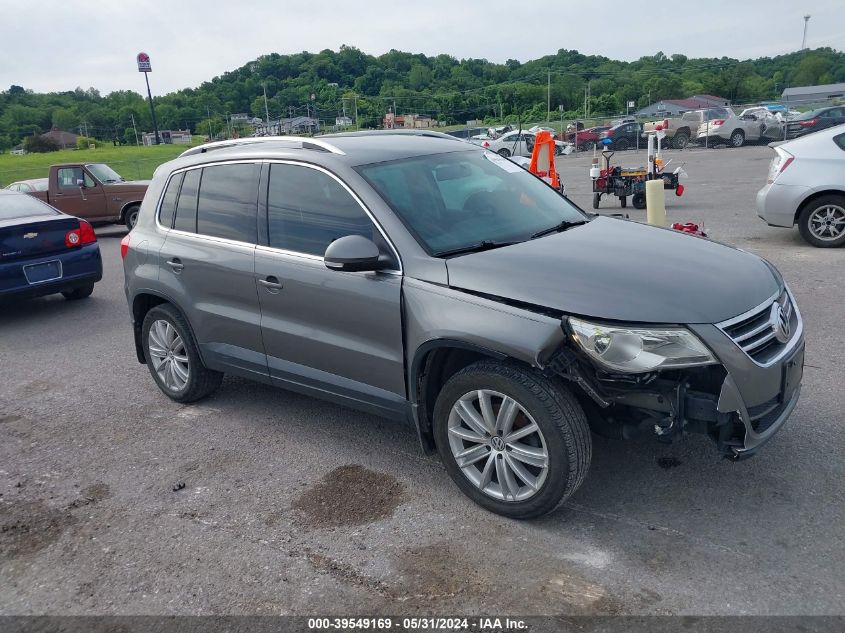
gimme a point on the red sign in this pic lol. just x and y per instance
(144, 63)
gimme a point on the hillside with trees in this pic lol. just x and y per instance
(443, 87)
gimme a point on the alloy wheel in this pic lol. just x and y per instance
(169, 355)
(497, 445)
(827, 223)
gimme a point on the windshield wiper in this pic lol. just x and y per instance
(483, 245)
(557, 228)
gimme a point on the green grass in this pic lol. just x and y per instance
(133, 163)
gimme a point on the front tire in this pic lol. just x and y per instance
(680, 140)
(596, 200)
(79, 293)
(515, 442)
(638, 200)
(131, 216)
(822, 222)
(173, 357)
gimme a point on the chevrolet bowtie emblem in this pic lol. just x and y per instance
(29, 236)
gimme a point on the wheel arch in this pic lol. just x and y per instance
(126, 208)
(434, 362)
(144, 301)
(815, 195)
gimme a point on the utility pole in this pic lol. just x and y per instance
(549, 97)
(134, 128)
(266, 109)
(210, 133)
(804, 39)
(355, 102)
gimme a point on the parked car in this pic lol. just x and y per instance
(586, 139)
(814, 121)
(28, 186)
(94, 192)
(679, 130)
(753, 125)
(517, 144)
(44, 251)
(430, 281)
(623, 136)
(806, 186)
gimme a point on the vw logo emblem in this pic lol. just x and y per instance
(780, 323)
(498, 443)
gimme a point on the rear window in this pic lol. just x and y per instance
(228, 202)
(21, 205)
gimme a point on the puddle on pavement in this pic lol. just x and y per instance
(349, 495)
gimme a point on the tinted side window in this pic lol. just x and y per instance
(168, 203)
(228, 202)
(186, 207)
(840, 141)
(308, 210)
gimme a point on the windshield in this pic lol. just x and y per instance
(104, 173)
(453, 201)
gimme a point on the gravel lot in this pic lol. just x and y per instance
(116, 500)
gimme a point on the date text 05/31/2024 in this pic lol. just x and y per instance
(480, 624)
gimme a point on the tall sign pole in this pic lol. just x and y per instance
(145, 67)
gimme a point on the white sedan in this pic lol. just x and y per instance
(806, 186)
(518, 144)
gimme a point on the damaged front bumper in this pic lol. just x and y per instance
(741, 403)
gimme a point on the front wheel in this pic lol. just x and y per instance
(638, 200)
(515, 442)
(131, 216)
(680, 140)
(822, 222)
(173, 357)
(596, 200)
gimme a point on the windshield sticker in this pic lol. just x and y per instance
(504, 163)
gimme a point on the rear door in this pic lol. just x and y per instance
(327, 333)
(79, 194)
(208, 264)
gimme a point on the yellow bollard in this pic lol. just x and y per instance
(655, 201)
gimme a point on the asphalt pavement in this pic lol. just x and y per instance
(115, 500)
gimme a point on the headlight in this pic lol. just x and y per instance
(631, 350)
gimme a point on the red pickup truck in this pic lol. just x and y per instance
(94, 192)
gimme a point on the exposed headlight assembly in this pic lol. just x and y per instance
(633, 350)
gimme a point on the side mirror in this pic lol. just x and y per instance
(353, 253)
(80, 182)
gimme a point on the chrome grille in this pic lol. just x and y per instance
(756, 332)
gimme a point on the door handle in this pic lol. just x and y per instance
(176, 264)
(271, 283)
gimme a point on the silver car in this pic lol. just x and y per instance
(751, 126)
(429, 281)
(806, 186)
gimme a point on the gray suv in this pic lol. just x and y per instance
(426, 280)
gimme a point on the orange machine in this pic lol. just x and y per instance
(543, 159)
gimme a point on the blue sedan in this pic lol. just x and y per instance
(43, 251)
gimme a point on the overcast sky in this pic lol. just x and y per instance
(48, 45)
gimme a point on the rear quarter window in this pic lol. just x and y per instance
(168, 202)
(186, 206)
(840, 141)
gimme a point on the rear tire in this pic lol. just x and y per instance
(680, 140)
(596, 200)
(79, 293)
(555, 438)
(737, 138)
(504, 153)
(822, 222)
(623, 201)
(131, 216)
(190, 380)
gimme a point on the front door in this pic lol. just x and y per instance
(331, 334)
(78, 194)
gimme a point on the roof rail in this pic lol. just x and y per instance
(402, 132)
(296, 141)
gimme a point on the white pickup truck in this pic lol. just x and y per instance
(679, 130)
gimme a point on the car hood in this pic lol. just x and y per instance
(622, 271)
